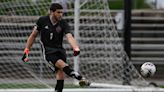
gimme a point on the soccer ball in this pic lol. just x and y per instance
(148, 69)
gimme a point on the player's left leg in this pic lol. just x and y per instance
(70, 72)
(60, 80)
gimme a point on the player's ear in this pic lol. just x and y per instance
(50, 11)
(72, 34)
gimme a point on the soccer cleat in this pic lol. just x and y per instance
(83, 82)
(76, 75)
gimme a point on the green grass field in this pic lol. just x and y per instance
(18, 86)
(35, 86)
(31, 86)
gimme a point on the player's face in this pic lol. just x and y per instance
(57, 15)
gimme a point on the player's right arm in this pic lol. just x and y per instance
(29, 43)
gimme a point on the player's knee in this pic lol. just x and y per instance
(60, 64)
(60, 75)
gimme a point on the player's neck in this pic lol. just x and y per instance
(53, 21)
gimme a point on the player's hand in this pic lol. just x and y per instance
(76, 51)
(25, 55)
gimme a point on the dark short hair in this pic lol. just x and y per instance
(55, 6)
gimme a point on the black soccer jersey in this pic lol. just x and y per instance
(51, 35)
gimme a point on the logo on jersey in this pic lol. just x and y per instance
(46, 27)
(58, 29)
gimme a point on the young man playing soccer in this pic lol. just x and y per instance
(52, 28)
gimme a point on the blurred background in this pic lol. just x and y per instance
(146, 32)
(144, 28)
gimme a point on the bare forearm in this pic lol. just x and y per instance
(31, 38)
(30, 41)
(74, 45)
(72, 42)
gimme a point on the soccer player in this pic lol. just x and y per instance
(52, 28)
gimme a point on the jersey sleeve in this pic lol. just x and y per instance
(66, 28)
(38, 24)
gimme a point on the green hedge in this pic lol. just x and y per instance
(136, 4)
(27, 7)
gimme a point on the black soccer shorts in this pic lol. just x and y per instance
(53, 58)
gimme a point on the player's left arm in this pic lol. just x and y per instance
(72, 41)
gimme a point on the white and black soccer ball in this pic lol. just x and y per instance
(148, 69)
